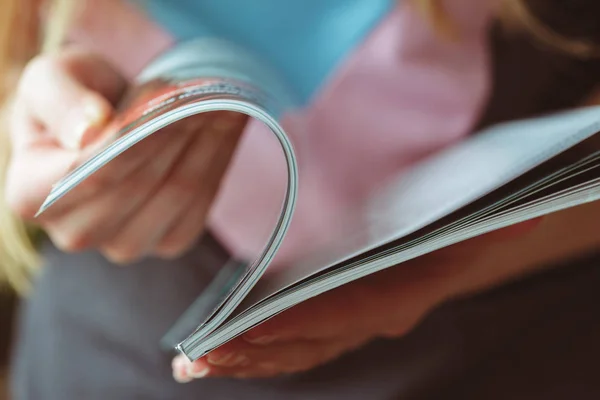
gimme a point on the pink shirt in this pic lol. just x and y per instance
(405, 93)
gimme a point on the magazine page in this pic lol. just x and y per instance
(174, 95)
(196, 78)
(568, 180)
(443, 184)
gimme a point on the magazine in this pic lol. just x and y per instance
(503, 175)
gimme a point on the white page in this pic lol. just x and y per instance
(443, 184)
(195, 347)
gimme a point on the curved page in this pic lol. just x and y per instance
(170, 98)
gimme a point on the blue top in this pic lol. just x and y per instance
(305, 39)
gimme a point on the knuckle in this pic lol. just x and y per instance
(40, 66)
(173, 247)
(71, 242)
(16, 125)
(170, 251)
(120, 254)
(35, 66)
(18, 205)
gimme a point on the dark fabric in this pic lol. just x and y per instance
(529, 80)
(545, 338)
(534, 339)
(91, 330)
(8, 302)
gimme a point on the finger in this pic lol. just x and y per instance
(32, 170)
(465, 253)
(507, 233)
(407, 293)
(30, 176)
(397, 297)
(194, 172)
(154, 153)
(286, 357)
(277, 359)
(401, 294)
(70, 95)
(325, 316)
(26, 131)
(180, 366)
(239, 359)
(147, 224)
(222, 136)
(515, 231)
(145, 229)
(92, 222)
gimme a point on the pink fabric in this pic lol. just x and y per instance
(404, 94)
(120, 32)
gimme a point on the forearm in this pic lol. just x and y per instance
(559, 236)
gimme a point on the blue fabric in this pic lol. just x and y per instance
(304, 39)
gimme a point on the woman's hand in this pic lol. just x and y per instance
(151, 200)
(387, 304)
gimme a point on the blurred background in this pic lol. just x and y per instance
(8, 303)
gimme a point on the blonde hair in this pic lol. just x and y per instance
(23, 36)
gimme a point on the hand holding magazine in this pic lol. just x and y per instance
(503, 175)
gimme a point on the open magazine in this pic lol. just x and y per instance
(500, 176)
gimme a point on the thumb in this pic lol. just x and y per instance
(71, 95)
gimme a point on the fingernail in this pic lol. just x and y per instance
(73, 140)
(261, 340)
(184, 370)
(228, 360)
(180, 366)
(94, 112)
(197, 370)
(96, 116)
(181, 377)
(93, 115)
